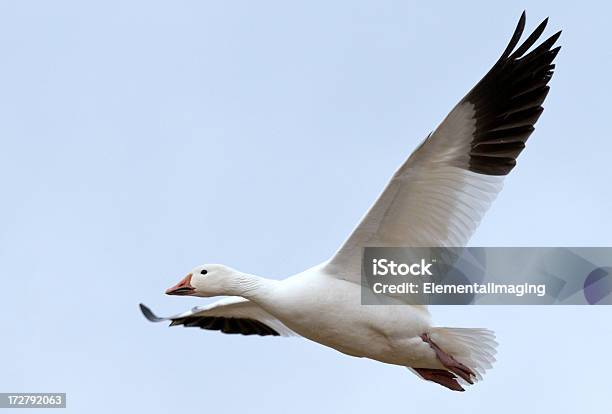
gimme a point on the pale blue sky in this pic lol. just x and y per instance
(142, 138)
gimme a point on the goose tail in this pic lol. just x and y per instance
(475, 348)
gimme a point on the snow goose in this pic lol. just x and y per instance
(436, 198)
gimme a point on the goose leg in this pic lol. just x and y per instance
(441, 376)
(449, 362)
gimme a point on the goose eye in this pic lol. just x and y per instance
(203, 271)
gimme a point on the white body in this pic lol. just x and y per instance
(328, 310)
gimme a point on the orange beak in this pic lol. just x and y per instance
(182, 288)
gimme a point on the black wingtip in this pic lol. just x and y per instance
(149, 314)
(543, 24)
(533, 37)
(516, 36)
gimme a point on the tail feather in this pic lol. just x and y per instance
(475, 348)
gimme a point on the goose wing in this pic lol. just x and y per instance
(231, 315)
(439, 195)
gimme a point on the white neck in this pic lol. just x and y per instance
(251, 287)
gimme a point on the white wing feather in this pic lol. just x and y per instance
(430, 201)
(440, 194)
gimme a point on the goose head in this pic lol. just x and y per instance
(205, 281)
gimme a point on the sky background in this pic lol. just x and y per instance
(140, 139)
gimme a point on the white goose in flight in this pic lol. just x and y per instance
(436, 198)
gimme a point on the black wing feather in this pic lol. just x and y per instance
(508, 101)
(243, 326)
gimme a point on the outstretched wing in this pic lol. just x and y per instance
(440, 194)
(232, 315)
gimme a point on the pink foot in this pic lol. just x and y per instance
(441, 376)
(449, 362)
